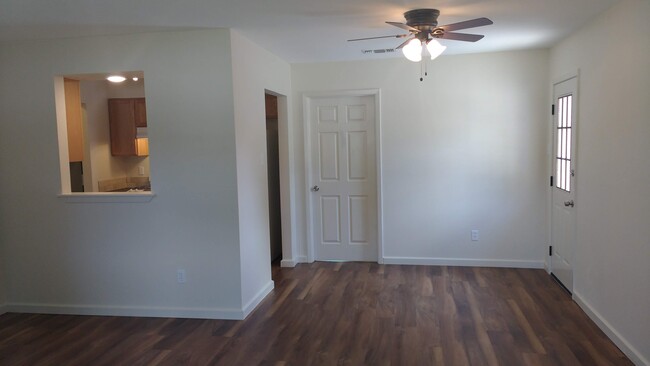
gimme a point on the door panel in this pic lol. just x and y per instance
(358, 219)
(329, 155)
(563, 213)
(356, 113)
(343, 165)
(327, 113)
(331, 219)
(357, 157)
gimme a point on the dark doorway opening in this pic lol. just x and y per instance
(273, 171)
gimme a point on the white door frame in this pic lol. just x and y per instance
(306, 105)
(551, 160)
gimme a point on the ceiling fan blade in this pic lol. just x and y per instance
(462, 36)
(404, 43)
(404, 26)
(478, 22)
(363, 39)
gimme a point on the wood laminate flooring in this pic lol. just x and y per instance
(341, 314)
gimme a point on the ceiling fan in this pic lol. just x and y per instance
(423, 30)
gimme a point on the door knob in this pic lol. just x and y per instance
(315, 188)
(568, 203)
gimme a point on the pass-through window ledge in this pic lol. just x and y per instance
(107, 197)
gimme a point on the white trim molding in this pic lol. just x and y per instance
(288, 263)
(107, 197)
(635, 356)
(257, 299)
(547, 267)
(292, 262)
(140, 311)
(465, 262)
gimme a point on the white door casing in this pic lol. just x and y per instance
(342, 175)
(563, 196)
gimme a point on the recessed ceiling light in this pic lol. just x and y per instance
(116, 78)
(135, 78)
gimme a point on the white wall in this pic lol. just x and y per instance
(121, 258)
(254, 71)
(462, 150)
(611, 272)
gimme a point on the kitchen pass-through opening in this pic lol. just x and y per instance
(103, 132)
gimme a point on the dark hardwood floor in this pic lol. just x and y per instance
(341, 314)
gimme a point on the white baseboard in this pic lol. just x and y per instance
(463, 262)
(288, 263)
(293, 261)
(140, 311)
(547, 267)
(632, 353)
(257, 299)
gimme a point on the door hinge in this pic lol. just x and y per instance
(552, 109)
(550, 250)
(551, 181)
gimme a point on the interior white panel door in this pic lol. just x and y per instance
(563, 213)
(343, 196)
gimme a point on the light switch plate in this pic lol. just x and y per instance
(474, 235)
(180, 276)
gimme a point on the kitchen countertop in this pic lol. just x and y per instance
(146, 188)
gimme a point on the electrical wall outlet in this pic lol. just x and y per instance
(474, 235)
(141, 170)
(180, 276)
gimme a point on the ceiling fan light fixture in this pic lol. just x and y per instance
(435, 48)
(413, 50)
(116, 78)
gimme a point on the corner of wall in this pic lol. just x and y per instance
(3, 282)
(616, 337)
(610, 265)
(3, 269)
(254, 71)
(3, 293)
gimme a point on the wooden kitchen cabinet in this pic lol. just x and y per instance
(124, 115)
(140, 112)
(73, 120)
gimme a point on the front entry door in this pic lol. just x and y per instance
(563, 213)
(343, 190)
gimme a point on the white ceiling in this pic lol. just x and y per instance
(302, 30)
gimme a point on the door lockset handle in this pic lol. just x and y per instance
(568, 203)
(315, 188)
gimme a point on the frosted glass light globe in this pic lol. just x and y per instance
(413, 50)
(435, 48)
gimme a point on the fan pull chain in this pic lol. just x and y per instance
(424, 65)
(421, 71)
